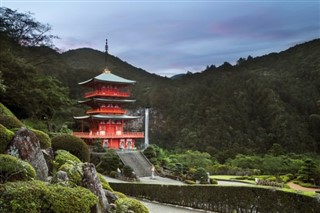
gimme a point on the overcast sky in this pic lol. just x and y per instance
(170, 37)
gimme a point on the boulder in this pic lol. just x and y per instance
(25, 145)
(48, 155)
(92, 182)
(110, 196)
(62, 176)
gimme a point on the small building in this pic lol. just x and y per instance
(107, 117)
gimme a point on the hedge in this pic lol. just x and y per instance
(37, 196)
(74, 145)
(223, 198)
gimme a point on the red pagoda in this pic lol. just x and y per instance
(107, 119)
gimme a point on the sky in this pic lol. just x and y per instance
(172, 37)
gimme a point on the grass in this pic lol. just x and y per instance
(234, 178)
(231, 178)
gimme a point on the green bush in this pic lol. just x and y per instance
(119, 194)
(127, 171)
(33, 123)
(113, 174)
(5, 111)
(189, 182)
(10, 122)
(201, 175)
(213, 181)
(36, 196)
(5, 137)
(129, 204)
(104, 182)
(14, 169)
(74, 172)
(62, 157)
(110, 161)
(74, 145)
(43, 138)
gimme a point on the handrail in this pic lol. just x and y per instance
(107, 110)
(109, 135)
(106, 93)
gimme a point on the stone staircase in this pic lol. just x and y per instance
(137, 161)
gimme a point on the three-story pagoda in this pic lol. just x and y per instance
(107, 119)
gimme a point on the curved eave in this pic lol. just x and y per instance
(106, 117)
(108, 78)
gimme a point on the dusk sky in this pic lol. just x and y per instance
(171, 37)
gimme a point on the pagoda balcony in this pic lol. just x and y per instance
(106, 93)
(106, 111)
(89, 135)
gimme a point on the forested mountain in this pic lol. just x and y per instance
(257, 106)
(226, 110)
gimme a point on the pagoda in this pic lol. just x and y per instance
(106, 117)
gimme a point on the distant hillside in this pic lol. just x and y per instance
(253, 107)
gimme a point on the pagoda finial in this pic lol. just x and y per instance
(106, 70)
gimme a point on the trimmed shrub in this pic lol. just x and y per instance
(127, 171)
(36, 196)
(43, 138)
(201, 175)
(129, 204)
(5, 137)
(189, 182)
(110, 161)
(213, 181)
(104, 182)
(10, 122)
(74, 145)
(62, 157)
(5, 111)
(119, 194)
(74, 172)
(14, 169)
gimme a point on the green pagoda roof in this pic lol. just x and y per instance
(107, 76)
(106, 117)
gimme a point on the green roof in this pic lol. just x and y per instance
(106, 117)
(107, 76)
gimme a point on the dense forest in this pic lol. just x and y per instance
(260, 105)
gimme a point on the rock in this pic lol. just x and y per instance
(48, 155)
(110, 196)
(61, 176)
(92, 182)
(25, 145)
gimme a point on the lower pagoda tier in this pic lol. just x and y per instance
(110, 130)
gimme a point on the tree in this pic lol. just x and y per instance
(23, 29)
(308, 171)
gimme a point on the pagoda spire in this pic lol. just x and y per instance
(106, 70)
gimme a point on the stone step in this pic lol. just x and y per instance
(137, 161)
